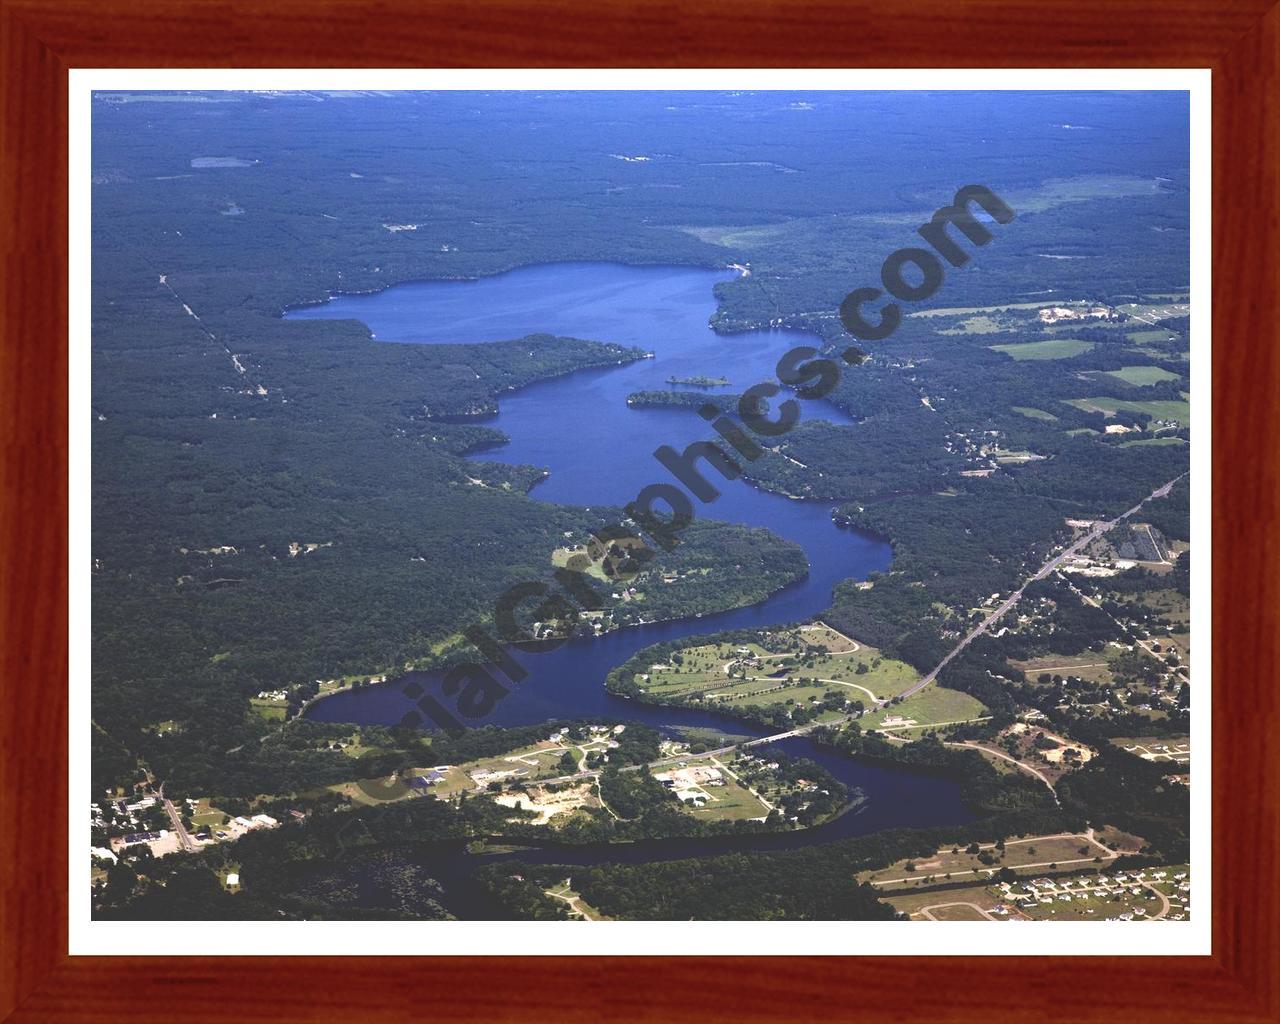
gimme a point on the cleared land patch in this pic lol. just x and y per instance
(1141, 376)
(932, 706)
(1058, 348)
(1175, 412)
(1033, 413)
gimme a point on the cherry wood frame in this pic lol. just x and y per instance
(41, 39)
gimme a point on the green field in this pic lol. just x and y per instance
(1141, 376)
(1178, 412)
(931, 706)
(776, 677)
(1058, 348)
(1033, 413)
(1153, 440)
(1146, 337)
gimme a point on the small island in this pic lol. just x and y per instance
(700, 382)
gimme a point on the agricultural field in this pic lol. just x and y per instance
(1141, 376)
(1057, 348)
(933, 706)
(1174, 412)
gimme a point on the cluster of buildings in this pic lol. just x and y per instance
(1123, 888)
(689, 783)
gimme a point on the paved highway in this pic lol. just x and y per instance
(1098, 530)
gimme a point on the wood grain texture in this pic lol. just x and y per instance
(40, 40)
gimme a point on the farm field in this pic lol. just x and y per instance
(1141, 376)
(1058, 348)
(1178, 412)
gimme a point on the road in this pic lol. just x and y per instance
(175, 819)
(1098, 530)
(1048, 567)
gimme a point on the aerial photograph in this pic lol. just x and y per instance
(607, 506)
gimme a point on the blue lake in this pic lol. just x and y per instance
(599, 451)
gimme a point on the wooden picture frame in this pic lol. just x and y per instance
(41, 40)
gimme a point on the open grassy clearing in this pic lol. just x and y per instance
(914, 904)
(1031, 855)
(1158, 441)
(1091, 665)
(1058, 348)
(756, 675)
(1141, 376)
(1176, 412)
(267, 709)
(1035, 414)
(981, 324)
(933, 705)
(1154, 335)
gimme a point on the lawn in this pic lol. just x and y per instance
(1035, 414)
(1141, 376)
(931, 706)
(1058, 348)
(1178, 412)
